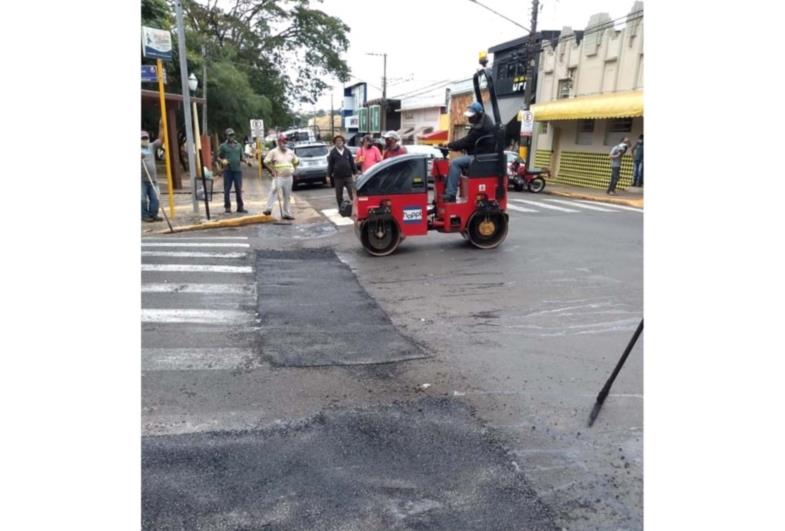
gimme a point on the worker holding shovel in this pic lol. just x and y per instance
(282, 161)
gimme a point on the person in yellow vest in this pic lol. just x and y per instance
(282, 161)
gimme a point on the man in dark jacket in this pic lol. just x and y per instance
(341, 168)
(482, 125)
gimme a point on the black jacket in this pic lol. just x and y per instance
(482, 128)
(340, 166)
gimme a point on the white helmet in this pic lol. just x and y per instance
(393, 135)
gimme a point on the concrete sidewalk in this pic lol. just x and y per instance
(631, 197)
(255, 192)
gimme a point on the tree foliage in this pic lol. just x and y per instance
(263, 56)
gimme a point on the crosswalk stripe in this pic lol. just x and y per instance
(579, 205)
(520, 209)
(613, 205)
(171, 359)
(186, 254)
(196, 238)
(543, 205)
(333, 215)
(196, 268)
(212, 289)
(197, 316)
(197, 244)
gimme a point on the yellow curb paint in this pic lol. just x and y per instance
(222, 223)
(637, 203)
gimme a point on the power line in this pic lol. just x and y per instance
(499, 14)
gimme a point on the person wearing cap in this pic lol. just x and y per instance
(281, 161)
(149, 197)
(231, 155)
(368, 154)
(340, 168)
(392, 145)
(481, 126)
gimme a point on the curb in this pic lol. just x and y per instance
(221, 223)
(637, 203)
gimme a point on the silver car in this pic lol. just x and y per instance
(313, 164)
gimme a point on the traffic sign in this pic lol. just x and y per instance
(527, 122)
(257, 128)
(156, 43)
(150, 74)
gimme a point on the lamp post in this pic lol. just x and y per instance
(193, 84)
(189, 134)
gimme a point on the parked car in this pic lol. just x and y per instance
(313, 164)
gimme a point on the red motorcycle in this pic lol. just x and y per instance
(532, 180)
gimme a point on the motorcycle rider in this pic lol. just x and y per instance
(482, 125)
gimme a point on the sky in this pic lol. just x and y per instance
(427, 41)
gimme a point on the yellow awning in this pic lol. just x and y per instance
(615, 105)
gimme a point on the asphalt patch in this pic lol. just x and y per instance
(314, 313)
(421, 465)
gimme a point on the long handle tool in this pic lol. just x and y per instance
(607, 387)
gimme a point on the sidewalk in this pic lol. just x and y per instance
(254, 200)
(631, 197)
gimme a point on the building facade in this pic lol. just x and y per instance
(589, 96)
(420, 115)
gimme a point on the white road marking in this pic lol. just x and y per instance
(223, 317)
(213, 289)
(520, 209)
(178, 359)
(189, 268)
(543, 205)
(179, 244)
(581, 205)
(333, 215)
(196, 238)
(186, 254)
(613, 205)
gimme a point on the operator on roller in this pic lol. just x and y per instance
(482, 125)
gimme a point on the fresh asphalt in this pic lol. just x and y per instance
(501, 350)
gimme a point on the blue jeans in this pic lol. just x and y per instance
(235, 177)
(149, 201)
(456, 165)
(637, 173)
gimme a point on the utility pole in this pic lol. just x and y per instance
(204, 90)
(384, 95)
(529, 72)
(332, 118)
(189, 128)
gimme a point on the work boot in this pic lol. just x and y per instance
(148, 219)
(288, 217)
(227, 211)
(449, 199)
(267, 212)
(157, 218)
(242, 211)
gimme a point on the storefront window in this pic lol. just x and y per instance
(585, 132)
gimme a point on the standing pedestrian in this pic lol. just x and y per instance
(392, 146)
(368, 154)
(637, 162)
(149, 195)
(231, 155)
(281, 161)
(615, 155)
(341, 168)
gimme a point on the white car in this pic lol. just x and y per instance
(432, 152)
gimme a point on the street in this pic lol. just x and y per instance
(292, 381)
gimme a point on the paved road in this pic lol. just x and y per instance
(512, 346)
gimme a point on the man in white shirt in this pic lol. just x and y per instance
(282, 162)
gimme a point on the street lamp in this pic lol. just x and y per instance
(193, 84)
